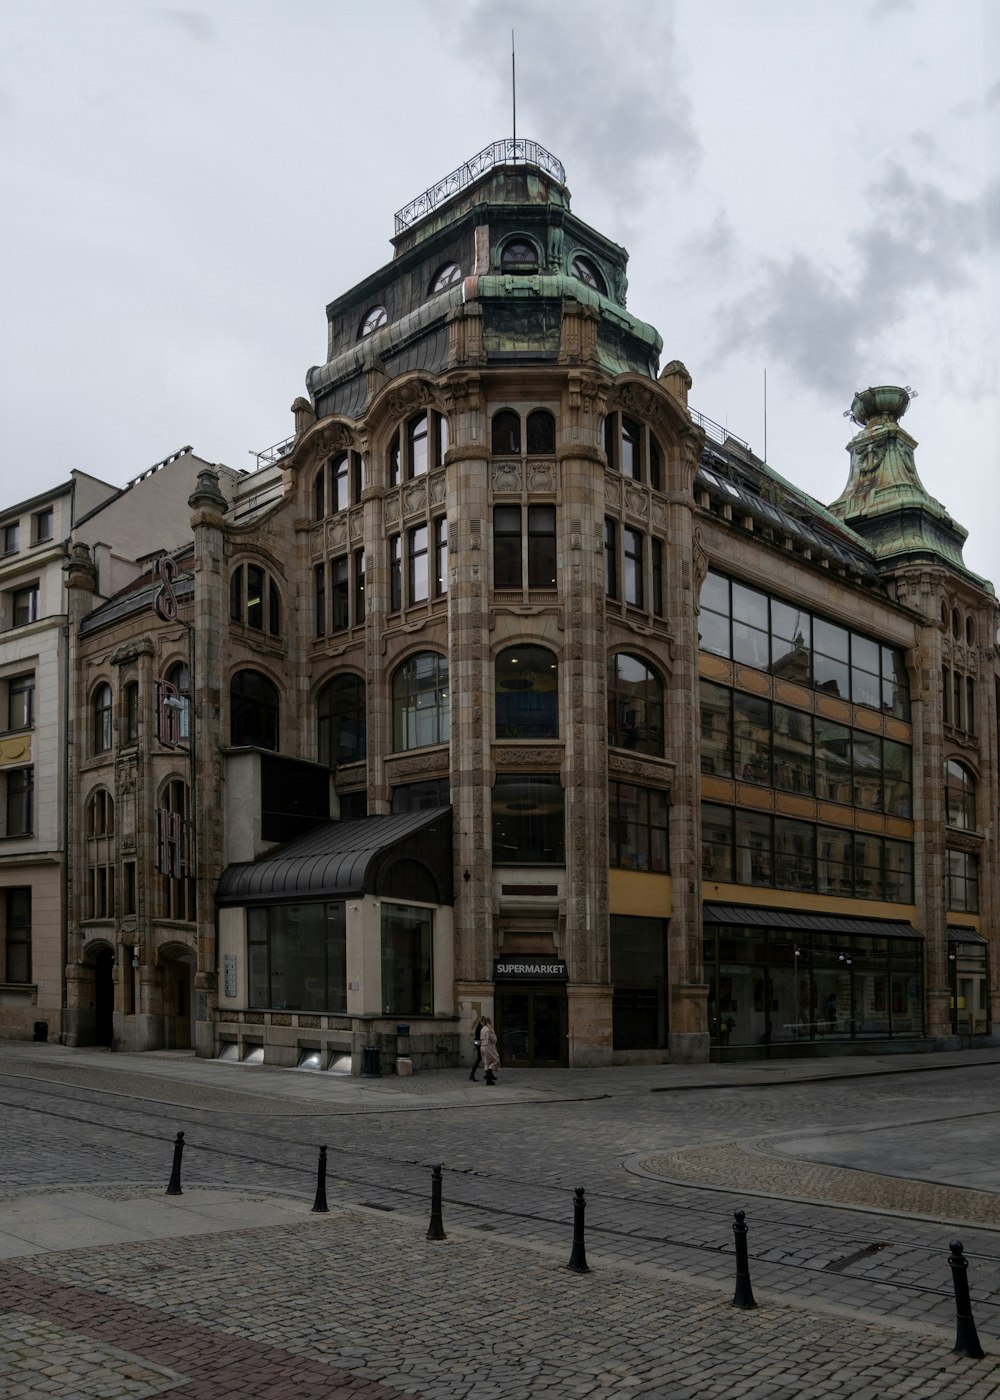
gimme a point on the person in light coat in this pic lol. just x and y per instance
(488, 1049)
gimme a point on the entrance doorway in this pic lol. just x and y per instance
(177, 980)
(531, 1026)
(104, 997)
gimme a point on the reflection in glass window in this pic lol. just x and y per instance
(541, 432)
(297, 957)
(506, 431)
(637, 828)
(446, 276)
(420, 702)
(527, 693)
(341, 723)
(101, 708)
(583, 269)
(528, 820)
(960, 795)
(635, 705)
(963, 882)
(407, 960)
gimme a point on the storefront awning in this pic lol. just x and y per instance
(958, 933)
(406, 856)
(802, 921)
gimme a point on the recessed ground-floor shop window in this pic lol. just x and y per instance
(778, 987)
(407, 962)
(639, 974)
(297, 957)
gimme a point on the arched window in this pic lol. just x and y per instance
(527, 693)
(173, 851)
(420, 702)
(506, 433)
(418, 447)
(374, 319)
(175, 706)
(960, 795)
(519, 255)
(253, 711)
(631, 449)
(587, 272)
(102, 714)
(99, 897)
(254, 599)
(341, 721)
(635, 705)
(446, 276)
(338, 484)
(541, 432)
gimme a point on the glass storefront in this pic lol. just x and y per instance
(781, 990)
(968, 982)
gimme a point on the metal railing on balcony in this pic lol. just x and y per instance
(275, 453)
(509, 152)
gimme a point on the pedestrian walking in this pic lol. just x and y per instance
(479, 1049)
(488, 1047)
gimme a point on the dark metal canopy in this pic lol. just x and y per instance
(804, 922)
(958, 933)
(406, 856)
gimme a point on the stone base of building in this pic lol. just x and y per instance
(343, 1044)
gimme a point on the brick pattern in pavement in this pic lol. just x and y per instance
(361, 1304)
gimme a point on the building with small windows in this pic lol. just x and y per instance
(513, 685)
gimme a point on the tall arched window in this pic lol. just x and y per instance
(527, 693)
(99, 898)
(420, 702)
(635, 705)
(541, 432)
(960, 795)
(179, 678)
(253, 711)
(102, 712)
(254, 599)
(506, 433)
(173, 851)
(341, 721)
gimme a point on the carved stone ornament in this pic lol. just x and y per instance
(459, 389)
(507, 478)
(415, 497)
(131, 651)
(542, 477)
(967, 841)
(534, 757)
(657, 774)
(699, 561)
(337, 533)
(613, 491)
(638, 401)
(405, 398)
(637, 501)
(587, 392)
(390, 506)
(398, 770)
(333, 437)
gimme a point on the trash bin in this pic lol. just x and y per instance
(41, 1031)
(371, 1061)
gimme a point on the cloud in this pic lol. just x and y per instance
(193, 23)
(918, 244)
(613, 94)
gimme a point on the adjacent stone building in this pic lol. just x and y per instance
(511, 685)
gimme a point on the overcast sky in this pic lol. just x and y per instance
(805, 187)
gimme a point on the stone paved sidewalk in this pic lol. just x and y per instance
(358, 1303)
(761, 1169)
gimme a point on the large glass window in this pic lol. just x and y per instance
(253, 711)
(506, 433)
(635, 705)
(422, 796)
(750, 626)
(632, 449)
(17, 934)
(100, 830)
(963, 881)
(639, 974)
(297, 957)
(174, 854)
(960, 795)
(254, 600)
(528, 820)
(637, 828)
(21, 702)
(341, 721)
(421, 711)
(407, 960)
(101, 711)
(527, 693)
(517, 551)
(420, 445)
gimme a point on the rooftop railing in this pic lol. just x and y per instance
(508, 152)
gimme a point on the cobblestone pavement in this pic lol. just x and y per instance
(237, 1289)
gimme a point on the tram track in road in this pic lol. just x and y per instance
(691, 1226)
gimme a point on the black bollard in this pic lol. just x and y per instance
(320, 1202)
(578, 1258)
(966, 1336)
(174, 1187)
(743, 1297)
(435, 1230)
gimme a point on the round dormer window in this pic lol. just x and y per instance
(446, 276)
(519, 255)
(376, 317)
(585, 271)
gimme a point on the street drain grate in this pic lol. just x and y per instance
(837, 1265)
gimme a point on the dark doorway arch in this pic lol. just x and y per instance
(104, 997)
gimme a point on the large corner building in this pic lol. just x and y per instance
(512, 685)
